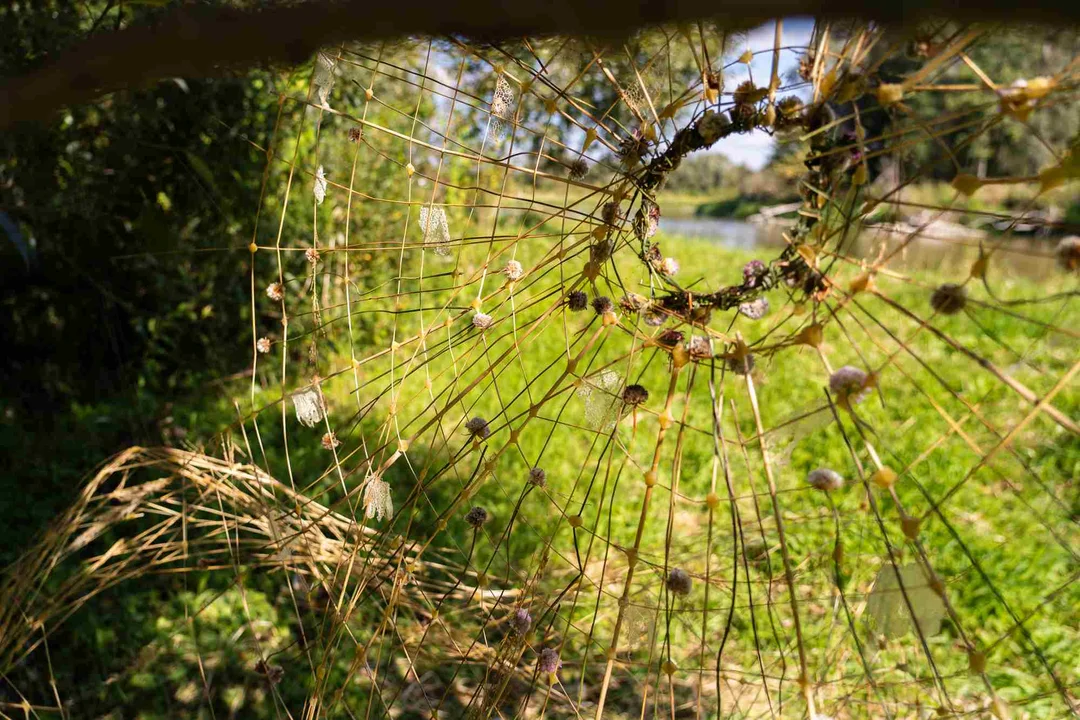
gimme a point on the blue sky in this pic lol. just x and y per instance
(754, 148)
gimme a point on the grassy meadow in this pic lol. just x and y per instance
(937, 418)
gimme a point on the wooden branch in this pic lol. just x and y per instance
(193, 41)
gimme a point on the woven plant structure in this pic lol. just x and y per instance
(510, 449)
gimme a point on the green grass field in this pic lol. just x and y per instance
(937, 419)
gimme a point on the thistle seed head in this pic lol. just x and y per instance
(275, 291)
(741, 365)
(699, 348)
(1068, 253)
(825, 479)
(476, 517)
(679, 582)
(480, 321)
(521, 621)
(712, 126)
(753, 272)
(548, 661)
(849, 384)
(538, 477)
(632, 302)
(602, 304)
(263, 345)
(478, 427)
(635, 395)
(655, 318)
(949, 299)
(513, 271)
(754, 309)
(669, 338)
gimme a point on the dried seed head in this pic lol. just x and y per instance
(669, 338)
(949, 299)
(600, 252)
(632, 302)
(513, 270)
(521, 621)
(669, 266)
(741, 365)
(1068, 253)
(655, 318)
(476, 517)
(273, 673)
(753, 272)
(755, 309)
(790, 108)
(849, 384)
(712, 126)
(480, 321)
(699, 347)
(330, 441)
(275, 291)
(538, 477)
(578, 170)
(478, 427)
(633, 147)
(577, 300)
(679, 582)
(611, 212)
(602, 304)
(825, 479)
(311, 255)
(635, 395)
(746, 92)
(548, 661)
(263, 345)
(355, 134)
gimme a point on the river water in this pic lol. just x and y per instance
(1026, 257)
